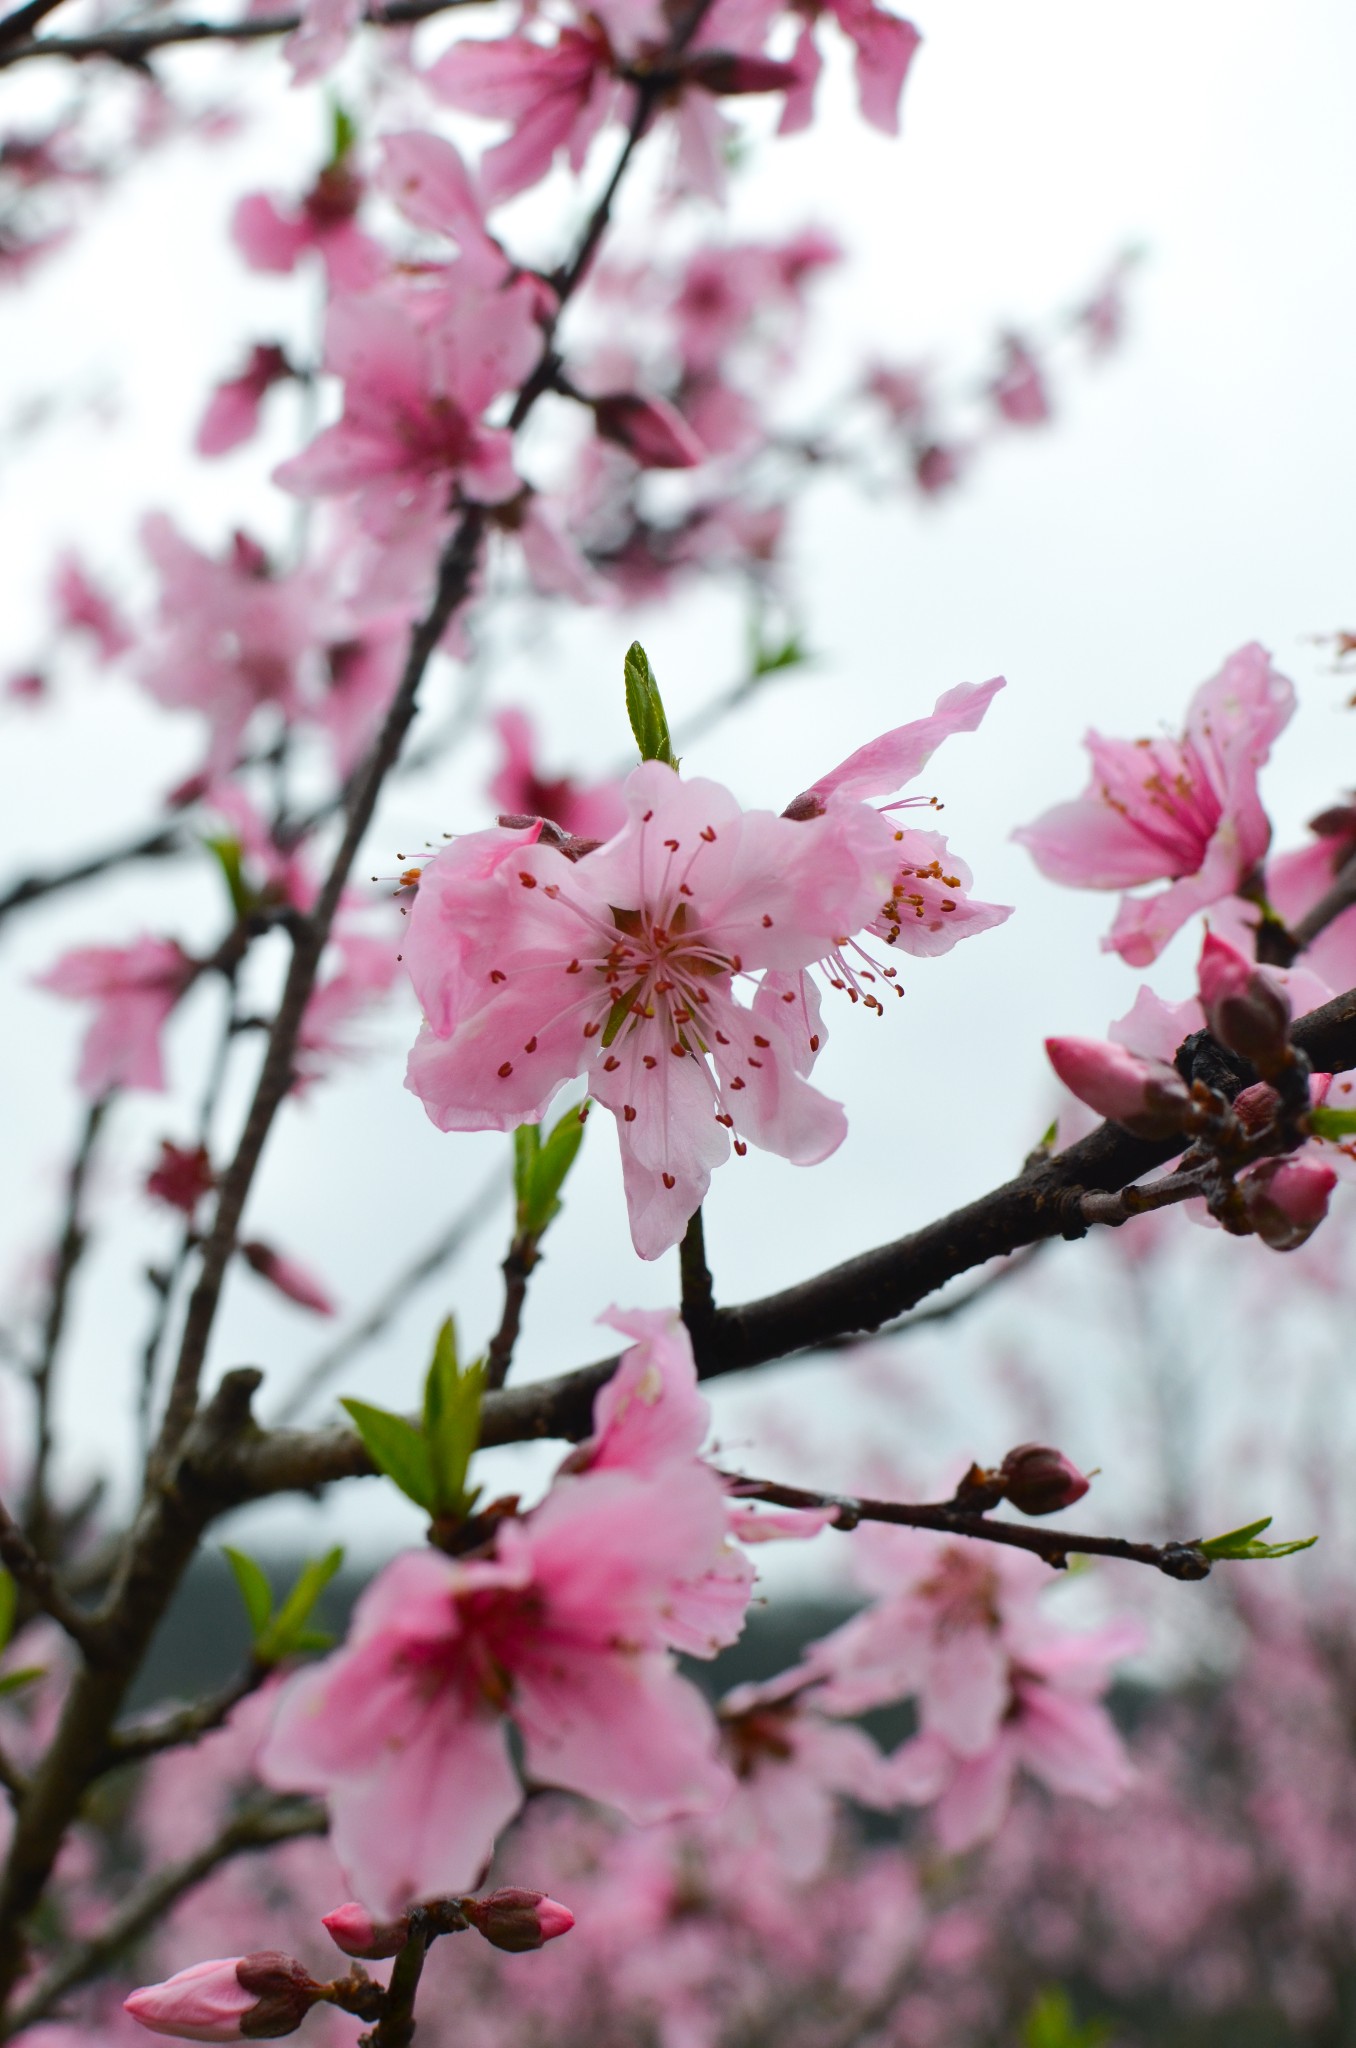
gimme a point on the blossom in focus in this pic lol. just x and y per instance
(1285, 1199)
(134, 988)
(1183, 811)
(532, 968)
(564, 1632)
(521, 791)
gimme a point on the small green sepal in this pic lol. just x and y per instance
(645, 708)
(1242, 1543)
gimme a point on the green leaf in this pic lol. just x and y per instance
(555, 1157)
(451, 1422)
(1332, 1123)
(526, 1146)
(288, 1631)
(343, 134)
(255, 1590)
(398, 1449)
(11, 1681)
(9, 1600)
(645, 708)
(768, 658)
(1051, 2023)
(227, 854)
(1242, 1543)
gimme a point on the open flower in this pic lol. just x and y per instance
(1182, 811)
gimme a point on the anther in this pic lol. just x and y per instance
(506, 1070)
(762, 1043)
(531, 1045)
(628, 1113)
(528, 881)
(497, 974)
(708, 833)
(611, 1063)
(668, 1180)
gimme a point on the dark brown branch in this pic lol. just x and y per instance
(1328, 908)
(943, 1311)
(69, 1252)
(1175, 1560)
(698, 1292)
(134, 45)
(519, 1264)
(165, 839)
(260, 1828)
(393, 1299)
(37, 1578)
(395, 2028)
(24, 20)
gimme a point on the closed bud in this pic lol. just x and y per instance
(649, 429)
(1246, 1010)
(1285, 1200)
(517, 1920)
(1040, 1480)
(235, 1998)
(1146, 1097)
(353, 1929)
(724, 72)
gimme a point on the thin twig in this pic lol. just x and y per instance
(134, 45)
(165, 839)
(70, 1250)
(260, 1828)
(519, 1263)
(395, 2028)
(1181, 1560)
(393, 1299)
(183, 1725)
(36, 1576)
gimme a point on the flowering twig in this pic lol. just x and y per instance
(1181, 1560)
(262, 1827)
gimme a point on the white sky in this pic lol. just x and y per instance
(1193, 494)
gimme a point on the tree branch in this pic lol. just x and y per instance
(1182, 1560)
(134, 45)
(165, 839)
(38, 1579)
(259, 1828)
(140, 1739)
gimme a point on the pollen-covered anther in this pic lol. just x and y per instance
(767, 922)
(738, 1081)
(574, 968)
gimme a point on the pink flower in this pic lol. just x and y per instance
(564, 1631)
(232, 414)
(1245, 1007)
(556, 95)
(414, 390)
(82, 607)
(884, 47)
(180, 1178)
(316, 45)
(134, 989)
(214, 2001)
(649, 1415)
(521, 791)
(1186, 811)
(532, 968)
(1019, 390)
(653, 432)
(426, 178)
(272, 238)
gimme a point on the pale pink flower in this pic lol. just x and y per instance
(557, 96)
(793, 1768)
(650, 1414)
(1185, 811)
(417, 377)
(533, 968)
(521, 791)
(134, 988)
(884, 46)
(564, 1631)
(274, 238)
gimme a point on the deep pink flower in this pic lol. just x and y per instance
(232, 414)
(180, 1178)
(1245, 1007)
(521, 791)
(134, 989)
(82, 607)
(532, 968)
(564, 1632)
(1185, 811)
(353, 1929)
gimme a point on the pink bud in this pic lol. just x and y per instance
(1286, 1199)
(1148, 1098)
(650, 429)
(1039, 1480)
(287, 1276)
(725, 72)
(236, 1998)
(353, 1929)
(517, 1920)
(1245, 1009)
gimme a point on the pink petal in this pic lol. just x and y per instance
(886, 764)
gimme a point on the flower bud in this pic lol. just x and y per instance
(1040, 1480)
(1285, 1200)
(287, 1276)
(1246, 1010)
(724, 73)
(1147, 1098)
(353, 1929)
(517, 1920)
(236, 1998)
(649, 429)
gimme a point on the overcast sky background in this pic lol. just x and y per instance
(1194, 493)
